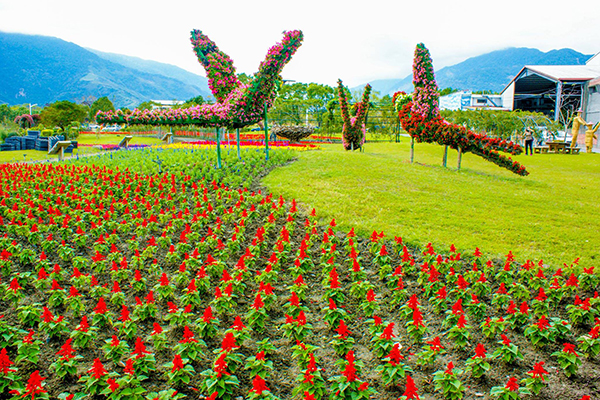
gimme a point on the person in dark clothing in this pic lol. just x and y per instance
(528, 141)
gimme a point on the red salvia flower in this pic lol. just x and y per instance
(139, 348)
(97, 370)
(112, 384)
(538, 371)
(388, 332)
(34, 385)
(479, 351)
(228, 343)
(83, 325)
(342, 329)
(410, 391)
(5, 363)
(350, 370)
(188, 336)
(177, 363)
(258, 385)
(543, 323)
(124, 314)
(238, 325)
(66, 351)
(221, 365)
(129, 367)
(394, 356)
(569, 348)
(512, 384)
(156, 329)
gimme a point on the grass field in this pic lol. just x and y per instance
(552, 214)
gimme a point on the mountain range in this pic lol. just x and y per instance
(490, 71)
(42, 69)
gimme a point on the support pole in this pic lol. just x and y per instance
(266, 135)
(412, 149)
(445, 159)
(557, 102)
(218, 148)
(237, 140)
(459, 158)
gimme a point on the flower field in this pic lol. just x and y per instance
(150, 274)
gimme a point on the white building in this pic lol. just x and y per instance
(464, 100)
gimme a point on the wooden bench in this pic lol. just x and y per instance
(168, 138)
(59, 148)
(572, 150)
(540, 149)
(125, 141)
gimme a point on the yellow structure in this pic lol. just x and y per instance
(578, 121)
(590, 136)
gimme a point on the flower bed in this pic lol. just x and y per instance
(118, 281)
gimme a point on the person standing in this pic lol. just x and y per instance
(528, 141)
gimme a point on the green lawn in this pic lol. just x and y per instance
(33, 155)
(552, 214)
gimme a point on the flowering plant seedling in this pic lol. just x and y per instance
(581, 313)
(430, 351)
(310, 381)
(28, 349)
(394, 369)
(259, 365)
(507, 352)
(179, 371)
(347, 386)
(34, 388)
(568, 359)
(492, 326)
(535, 382)
(219, 380)
(257, 315)
(333, 314)
(30, 314)
(460, 332)
(590, 343)
(478, 365)
(510, 391)
(114, 349)
(540, 333)
(342, 342)
(189, 347)
(8, 378)
(158, 337)
(68, 361)
(448, 383)
(95, 379)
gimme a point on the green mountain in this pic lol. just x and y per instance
(490, 71)
(42, 69)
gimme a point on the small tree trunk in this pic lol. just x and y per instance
(412, 149)
(445, 159)
(459, 158)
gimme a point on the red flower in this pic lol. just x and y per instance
(112, 384)
(258, 385)
(177, 363)
(363, 386)
(505, 340)
(129, 367)
(34, 385)
(188, 336)
(449, 368)
(479, 351)
(221, 365)
(394, 356)
(512, 384)
(156, 329)
(569, 348)
(538, 371)
(139, 349)
(97, 370)
(388, 332)
(342, 329)
(124, 314)
(228, 343)
(541, 295)
(83, 325)
(411, 390)
(5, 363)
(435, 344)
(238, 325)
(66, 351)
(542, 323)
(258, 302)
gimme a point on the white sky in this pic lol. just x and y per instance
(357, 41)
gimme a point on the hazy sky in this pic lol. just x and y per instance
(351, 40)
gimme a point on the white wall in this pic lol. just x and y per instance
(593, 109)
(508, 97)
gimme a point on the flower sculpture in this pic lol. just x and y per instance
(353, 130)
(420, 117)
(237, 105)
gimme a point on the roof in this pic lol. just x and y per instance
(595, 82)
(594, 60)
(556, 73)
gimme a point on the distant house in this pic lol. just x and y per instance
(165, 103)
(556, 89)
(464, 100)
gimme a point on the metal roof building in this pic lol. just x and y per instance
(556, 90)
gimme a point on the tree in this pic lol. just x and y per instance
(194, 101)
(62, 113)
(102, 104)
